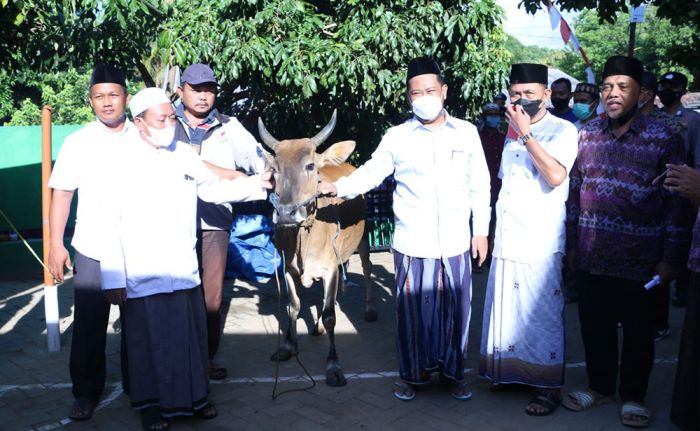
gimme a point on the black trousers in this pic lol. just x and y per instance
(662, 296)
(603, 302)
(685, 408)
(90, 319)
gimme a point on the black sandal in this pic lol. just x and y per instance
(152, 420)
(207, 412)
(548, 399)
(82, 409)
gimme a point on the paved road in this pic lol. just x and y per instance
(35, 386)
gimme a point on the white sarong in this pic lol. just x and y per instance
(523, 332)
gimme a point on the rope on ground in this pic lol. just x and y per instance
(276, 394)
(24, 241)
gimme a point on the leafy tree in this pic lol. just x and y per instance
(67, 94)
(679, 12)
(533, 53)
(293, 62)
(660, 45)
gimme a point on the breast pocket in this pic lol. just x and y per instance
(458, 166)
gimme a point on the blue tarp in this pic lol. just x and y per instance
(251, 252)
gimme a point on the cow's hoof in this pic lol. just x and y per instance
(319, 329)
(335, 377)
(371, 315)
(281, 355)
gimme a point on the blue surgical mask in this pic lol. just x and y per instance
(492, 121)
(581, 110)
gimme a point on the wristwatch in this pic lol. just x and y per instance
(526, 137)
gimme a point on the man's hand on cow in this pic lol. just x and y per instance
(683, 180)
(267, 180)
(58, 258)
(115, 296)
(480, 248)
(326, 189)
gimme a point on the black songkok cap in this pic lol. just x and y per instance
(528, 73)
(649, 81)
(592, 89)
(621, 65)
(421, 66)
(107, 74)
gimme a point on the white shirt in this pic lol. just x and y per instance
(81, 165)
(151, 223)
(530, 214)
(441, 179)
(229, 145)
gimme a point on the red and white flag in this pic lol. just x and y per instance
(567, 35)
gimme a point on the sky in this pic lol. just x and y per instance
(532, 30)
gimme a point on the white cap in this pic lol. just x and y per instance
(147, 98)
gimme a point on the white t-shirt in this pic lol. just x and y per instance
(80, 165)
(530, 214)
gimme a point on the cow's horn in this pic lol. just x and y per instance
(267, 138)
(326, 131)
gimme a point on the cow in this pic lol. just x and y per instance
(315, 234)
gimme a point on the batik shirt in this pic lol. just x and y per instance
(618, 223)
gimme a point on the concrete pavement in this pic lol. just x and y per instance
(35, 389)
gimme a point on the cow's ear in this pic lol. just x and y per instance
(337, 153)
(269, 158)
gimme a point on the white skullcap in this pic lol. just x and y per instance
(147, 98)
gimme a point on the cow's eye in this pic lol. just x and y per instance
(310, 167)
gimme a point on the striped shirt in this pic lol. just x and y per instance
(618, 223)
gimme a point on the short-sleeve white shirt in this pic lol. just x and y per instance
(80, 165)
(531, 214)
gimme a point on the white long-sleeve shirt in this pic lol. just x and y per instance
(441, 179)
(531, 214)
(150, 227)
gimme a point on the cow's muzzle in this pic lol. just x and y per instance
(292, 214)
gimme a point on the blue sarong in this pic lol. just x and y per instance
(433, 310)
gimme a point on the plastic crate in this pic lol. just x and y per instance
(380, 216)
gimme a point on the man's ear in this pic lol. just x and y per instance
(179, 92)
(337, 153)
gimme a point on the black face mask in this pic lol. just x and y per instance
(560, 103)
(668, 96)
(531, 107)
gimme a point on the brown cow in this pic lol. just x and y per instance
(313, 233)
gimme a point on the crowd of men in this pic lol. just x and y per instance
(591, 201)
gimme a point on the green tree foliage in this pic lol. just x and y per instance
(47, 36)
(660, 45)
(533, 53)
(295, 61)
(66, 92)
(679, 12)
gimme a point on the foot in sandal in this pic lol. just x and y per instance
(579, 401)
(635, 415)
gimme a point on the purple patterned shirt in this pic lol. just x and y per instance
(618, 224)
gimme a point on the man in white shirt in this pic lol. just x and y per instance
(79, 167)
(223, 142)
(149, 261)
(441, 180)
(523, 330)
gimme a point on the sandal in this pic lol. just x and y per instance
(403, 391)
(634, 415)
(579, 401)
(152, 420)
(217, 373)
(547, 399)
(207, 412)
(82, 409)
(459, 391)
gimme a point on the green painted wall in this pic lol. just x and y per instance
(20, 189)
